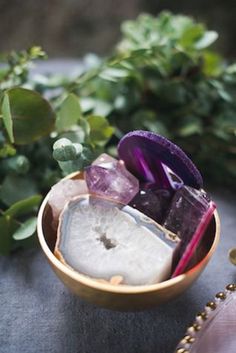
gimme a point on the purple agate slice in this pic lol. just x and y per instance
(144, 153)
(152, 201)
(108, 177)
(189, 214)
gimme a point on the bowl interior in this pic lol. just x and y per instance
(207, 244)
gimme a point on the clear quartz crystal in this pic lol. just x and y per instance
(103, 239)
(108, 177)
(62, 192)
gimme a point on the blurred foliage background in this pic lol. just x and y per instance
(71, 28)
(169, 74)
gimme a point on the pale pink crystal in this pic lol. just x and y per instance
(62, 192)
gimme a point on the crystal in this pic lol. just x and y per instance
(108, 177)
(102, 239)
(104, 160)
(187, 208)
(62, 192)
(188, 216)
(152, 201)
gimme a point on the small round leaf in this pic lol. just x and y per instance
(26, 229)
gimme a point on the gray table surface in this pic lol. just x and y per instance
(38, 314)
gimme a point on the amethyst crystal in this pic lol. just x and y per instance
(152, 201)
(144, 152)
(104, 160)
(188, 216)
(186, 210)
(109, 178)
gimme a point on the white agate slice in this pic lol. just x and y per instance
(103, 239)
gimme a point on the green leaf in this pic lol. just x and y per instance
(190, 129)
(85, 127)
(191, 126)
(69, 113)
(68, 152)
(31, 115)
(18, 164)
(61, 143)
(212, 64)
(27, 229)
(7, 151)
(191, 34)
(172, 92)
(97, 106)
(87, 104)
(113, 74)
(23, 206)
(7, 227)
(102, 108)
(7, 118)
(207, 39)
(15, 188)
(100, 130)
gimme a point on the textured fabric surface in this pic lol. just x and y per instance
(38, 314)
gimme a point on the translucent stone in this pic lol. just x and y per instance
(188, 216)
(62, 192)
(102, 239)
(104, 160)
(108, 177)
(152, 201)
(186, 211)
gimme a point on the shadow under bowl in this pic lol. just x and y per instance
(123, 297)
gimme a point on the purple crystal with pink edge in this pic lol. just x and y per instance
(152, 201)
(188, 216)
(108, 177)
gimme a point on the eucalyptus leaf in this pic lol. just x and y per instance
(113, 74)
(207, 39)
(7, 227)
(190, 129)
(26, 230)
(23, 207)
(18, 164)
(15, 188)
(100, 130)
(7, 117)
(31, 115)
(68, 152)
(69, 113)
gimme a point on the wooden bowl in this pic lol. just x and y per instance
(123, 297)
